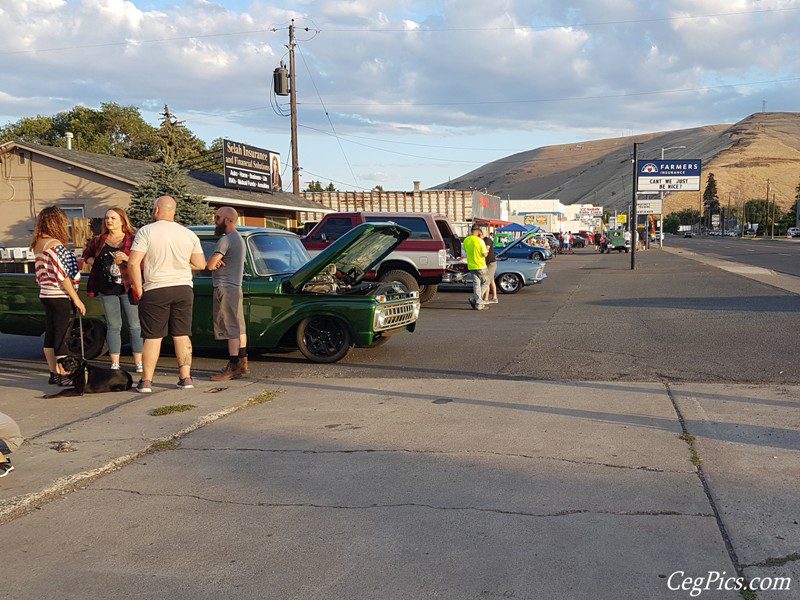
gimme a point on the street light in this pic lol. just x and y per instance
(661, 216)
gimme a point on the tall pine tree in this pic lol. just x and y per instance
(710, 200)
(168, 180)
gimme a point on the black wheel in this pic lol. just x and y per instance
(537, 256)
(508, 283)
(426, 292)
(404, 277)
(94, 338)
(323, 339)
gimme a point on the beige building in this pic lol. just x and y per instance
(84, 184)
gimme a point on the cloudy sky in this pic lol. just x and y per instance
(415, 89)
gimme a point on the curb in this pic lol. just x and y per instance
(18, 506)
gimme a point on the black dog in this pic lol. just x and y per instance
(88, 379)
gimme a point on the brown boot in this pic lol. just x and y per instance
(244, 368)
(230, 371)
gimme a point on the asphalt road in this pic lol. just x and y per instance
(592, 319)
(779, 255)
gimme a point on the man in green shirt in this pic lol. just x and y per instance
(475, 251)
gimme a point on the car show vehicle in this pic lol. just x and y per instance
(321, 306)
(419, 262)
(511, 276)
(526, 248)
(617, 240)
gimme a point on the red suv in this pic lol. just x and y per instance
(418, 263)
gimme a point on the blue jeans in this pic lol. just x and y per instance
(480, 283)
(114, 306)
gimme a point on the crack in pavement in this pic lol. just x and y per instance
(500, 511)
(409, 451)
(775, 561)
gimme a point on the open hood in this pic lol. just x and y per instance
(518, 242)
(354, 254)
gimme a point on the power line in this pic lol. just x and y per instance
(128, 42)
(317, 30)
(337, 181)
(565, 98)
(465, 148)
(558, 26)
(327, 114)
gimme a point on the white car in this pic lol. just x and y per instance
(793, 231)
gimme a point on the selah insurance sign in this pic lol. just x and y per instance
(669, 175)
(251, 168)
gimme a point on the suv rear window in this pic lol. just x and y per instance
(419, 227)
(333, 228)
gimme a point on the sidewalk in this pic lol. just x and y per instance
(71, 441)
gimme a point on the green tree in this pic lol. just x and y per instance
(177, 142)
(757, 212)
(378, 188)
(314, 186)
(168, 180)
(710, 200)
(672, 223)
(38, 130)
(330, 187)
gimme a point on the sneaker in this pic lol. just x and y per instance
(64, 380)
(6, 468)
(115, 366)
(143, 387)
(53, 378)
(472, 303)
(185, 383)
(139, 368)
(228, 372)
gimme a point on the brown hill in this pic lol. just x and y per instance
(741, 156)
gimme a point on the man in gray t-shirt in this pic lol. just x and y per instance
(227, 267)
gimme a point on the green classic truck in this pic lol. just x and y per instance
(320, 306)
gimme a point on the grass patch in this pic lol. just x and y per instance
(169, 409)
(163, 445)
(748, 593)
(695, 457)
(262, 398)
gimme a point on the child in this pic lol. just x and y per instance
(10, 440)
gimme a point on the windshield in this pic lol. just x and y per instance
(277, 254)
(361, 255)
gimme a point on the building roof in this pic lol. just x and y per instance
(131, 171)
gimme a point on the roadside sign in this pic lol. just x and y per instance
(622, 219)
(649, 207)
(669, 175)
(715, 220)
(250, 168)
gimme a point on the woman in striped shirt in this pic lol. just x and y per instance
(57, 275)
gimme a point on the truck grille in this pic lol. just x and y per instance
(395, 316)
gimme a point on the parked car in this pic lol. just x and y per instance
(419, 262)
(320, 306)
(793, 232)
(619, 240)
(522, 248)
(511, 276)
(687, 234)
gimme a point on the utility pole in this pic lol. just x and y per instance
(293, 105)
(767, 204)
(632, 223)
(772, 233)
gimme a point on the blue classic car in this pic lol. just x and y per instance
(525, 248)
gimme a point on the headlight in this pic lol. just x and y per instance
(416, 310)
(380, 318)
(414, 294)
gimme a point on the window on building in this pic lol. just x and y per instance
(276, 223)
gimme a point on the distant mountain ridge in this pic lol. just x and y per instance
(742, 157)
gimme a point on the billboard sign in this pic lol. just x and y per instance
(251, 168)
(669, 175)
(622, 219)
(649, 207)
(486, 207)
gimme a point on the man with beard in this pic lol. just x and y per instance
(227, 267)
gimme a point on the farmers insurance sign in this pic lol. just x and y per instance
(251, 168)
(486, 208)
(668, 175)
